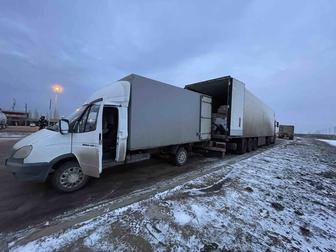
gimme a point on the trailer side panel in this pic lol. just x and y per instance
(258, 118)
(162, 115)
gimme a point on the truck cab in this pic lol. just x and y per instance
(75, 148)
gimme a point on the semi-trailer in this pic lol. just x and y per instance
(239, 118)
(135, 117)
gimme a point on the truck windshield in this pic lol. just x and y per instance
(75, 115)
(72, 118)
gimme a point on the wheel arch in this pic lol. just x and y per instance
(174, 148)
(56, 162)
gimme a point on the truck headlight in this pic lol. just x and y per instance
(23, 152)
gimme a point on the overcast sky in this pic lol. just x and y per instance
(284, 51)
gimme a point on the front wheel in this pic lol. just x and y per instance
(181, 156)
(69, 177)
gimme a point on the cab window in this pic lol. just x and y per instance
(88, 120)
(91, 121)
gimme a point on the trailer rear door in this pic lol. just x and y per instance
(237, 108)
(205, 121)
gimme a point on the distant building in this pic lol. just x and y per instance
(16, 118)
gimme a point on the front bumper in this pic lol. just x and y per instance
(37, 172)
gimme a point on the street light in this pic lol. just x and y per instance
(57, 89)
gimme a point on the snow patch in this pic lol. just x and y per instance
(331, 142)
(181, 217)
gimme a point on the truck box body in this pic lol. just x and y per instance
(247, 116)
(286, 131)
(160, 114)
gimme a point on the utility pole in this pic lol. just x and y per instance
(49, 116)
(13, 104)
(26, 114)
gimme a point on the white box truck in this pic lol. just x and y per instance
(124, 122)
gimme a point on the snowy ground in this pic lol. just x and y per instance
(281, 199)
(331, 142)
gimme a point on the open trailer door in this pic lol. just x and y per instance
(205, 120)
(237, 107)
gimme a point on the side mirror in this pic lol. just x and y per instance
(63, 126)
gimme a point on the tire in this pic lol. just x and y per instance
(267, 141)
(249, 145)
(242, 146)
(272, 140)
(255, 144)
(181, 156)
(69, 177)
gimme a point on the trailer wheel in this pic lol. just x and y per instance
(249, 145)
(255, 144)
(242, 146)
(181, 156)
(69, 177)
(273, 140)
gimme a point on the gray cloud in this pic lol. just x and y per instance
(284, 51)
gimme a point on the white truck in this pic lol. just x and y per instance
(122, 123)
(134, 117)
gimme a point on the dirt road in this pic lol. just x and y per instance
(23, 204)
